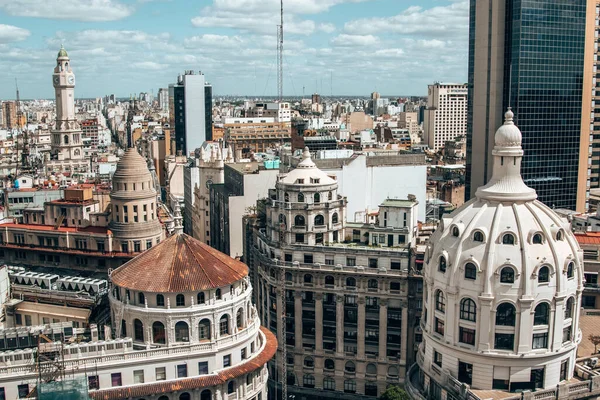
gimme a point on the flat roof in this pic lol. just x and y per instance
(398, 203)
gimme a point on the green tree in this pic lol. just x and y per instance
(394, 393)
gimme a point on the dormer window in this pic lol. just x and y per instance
(478, 236)
(315, 180)
(455, 231)
(300, 181)
(508, 238)
(559, 235)
(537, 239)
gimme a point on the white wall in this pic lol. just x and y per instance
(367, 187)
(195, 128)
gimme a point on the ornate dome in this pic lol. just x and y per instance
(131, 165)
(179, 264)
(306, 173)
(62, 52)
(503, 277)
(508, 135)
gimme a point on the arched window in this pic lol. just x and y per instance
(541, 314)
(224, 325)
(180, 300)
(478, 236)
(138, 330)
(507, 275)
(570, 269)
(200, 298)
(300, 197)
(559, 235)
(328, 383)
(309, 362)
(299, 220)
(160, 300)
(185, 396)
(163, 398)
(66, 139)
(317, 198)
(350, 282)
(158, 333)
(329, 364)
(506, 315)
(291, 378)
(319, 220)
(218, 294)
(308, 278)
(204, 395)
(141, 298)
(537, 238)
(308, 381)
(392, 371)
(329, 280)
(440, 302)
(349, 386)
(286, 197)
(288, 277)
(470, 271)
(204, 329)
(182, 332)
(239, 318)
(334, 218)
(544, 275)
(468, 310)
(508, 238)
(372, 284)
(442, 264)
(350, 367)
(230, 387)
(371, 369)
(569, 308)
(455, 231)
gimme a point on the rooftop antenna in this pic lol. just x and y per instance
(280, 56)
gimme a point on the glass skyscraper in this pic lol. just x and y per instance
(531, 55)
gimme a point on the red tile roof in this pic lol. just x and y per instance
(198, 382)
(588, 238)
(179, 264)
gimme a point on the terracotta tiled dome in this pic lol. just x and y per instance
(179, 264)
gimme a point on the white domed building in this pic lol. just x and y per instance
(503, 280)
(189, 307)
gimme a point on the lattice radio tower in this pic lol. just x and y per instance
(280, 56)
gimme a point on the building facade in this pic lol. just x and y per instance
(256, 135)
(503, 280)
(342, 288)
(190, 111)
(547, 81)
(446, 114)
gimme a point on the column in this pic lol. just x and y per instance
(360, 337)
(486, 319)
(555, 323)
(339, 325)
(524, 328)
(383, 317)
(319, 323)
(404, 333)
(298, 319)
(450, 327)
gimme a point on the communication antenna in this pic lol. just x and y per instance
(280, 56)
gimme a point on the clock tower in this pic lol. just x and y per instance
(67, 143)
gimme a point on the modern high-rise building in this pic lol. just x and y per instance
(590, 73)
(9, 114)
(163, 99)
(190, 111)
(533, 56)
(446, 113)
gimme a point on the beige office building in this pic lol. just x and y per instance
(446, 113)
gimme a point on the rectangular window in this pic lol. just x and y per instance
(500, 384)
(227, 360)
(161, 373)
(504, 341)
(395, 286)
(18, 319)
(116, 379)
(437, 358)
(299, 238)
(203, 368)
(329, 261)
(540, 340)
(27, 320)
(564, 370)
(182, 371)
(138, 376)
(350, 261)
(308, 259)
(372, 263)
(148, 244)
(93, 382)
(402, 238)
(243, 353)
(137, 246)
(288, 257)
(467, 336)
(23, 390)
(566, 334)
(439, 326)
(395, 264)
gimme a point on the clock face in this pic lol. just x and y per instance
(56, 79)
(71, 80)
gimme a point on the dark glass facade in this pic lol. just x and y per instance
(208, 111)
(544, 50)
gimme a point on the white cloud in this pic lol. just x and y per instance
(441, 20)
(10, 33)
(392, 53)
(345, 40)
(149, 65)
(75, 10)
(326, 27)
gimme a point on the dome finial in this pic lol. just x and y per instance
(508, 116)
(306, 153)
(62, 52)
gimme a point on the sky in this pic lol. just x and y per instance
(339, 47)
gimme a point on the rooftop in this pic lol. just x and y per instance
(50, 228)
(398, 203)
(588, 238)
(179, 264)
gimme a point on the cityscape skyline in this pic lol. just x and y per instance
(123, 48)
